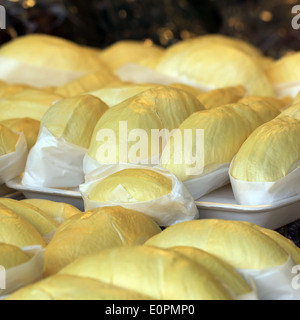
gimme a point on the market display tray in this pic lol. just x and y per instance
(219, 204)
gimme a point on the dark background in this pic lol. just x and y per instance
(99, 23)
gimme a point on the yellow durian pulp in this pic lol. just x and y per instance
(280, 103)
(73, 119)
(17, 231)
(258, 158)
(95, 230)
(8, 140)
(129, 51)
(202, 64)
(240, 244)
(222, 96)
(29, 103)
(65, 287)
(12, 256)
(225, 129)
(37, 218)
(29, 127)
(219, 267)
(161, 274)
(53, 209)
(141, 184)
(9, 90)
(51, 52)
(157, 109)
(87, 83)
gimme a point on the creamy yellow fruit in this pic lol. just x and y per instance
(141, 184)
(8, 140)
(29, 127)
(87, 83)
(215, 65)
(222, 96)
(113, 95)
(17, 231)
(156, 109)
(73, 119)
(9, 90)
(238, 243)
(30, 103)
(127, 51)
(37, 218)
(65, 287)
(94, 231)
(53, 209)
(51, 52)
(219, 267)
(225, 129)
(292, 111)
(192, 90)
(162, 274)
(258, 158)
(12, 256)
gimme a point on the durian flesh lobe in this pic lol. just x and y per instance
(8, 140)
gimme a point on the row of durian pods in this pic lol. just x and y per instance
(74, 92)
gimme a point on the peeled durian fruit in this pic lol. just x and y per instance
(8, 140)
(9, 90)
(12, 256)
(257, 159)
(51, 52)
(87, 83)
(218, 97)
(127, 51)
(292, 111)
(53, 209)
(161, 274)
(30, 103)
(37, 218)
(200, 63)
(113, 95)
(225, 129)
(95, 230)
(158, 108)
(240, 244)
(140, 184)
(73, 119)
(17, 231)
(67, 287)
(280, 103)
(220, 268)
(29, 127)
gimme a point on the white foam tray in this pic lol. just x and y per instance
(219, 204)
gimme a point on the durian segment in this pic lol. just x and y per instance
(29, 103)
(73, 119)
(289, 246)
(66, 287)
(29, 127)
(37, 218)
(239, 244)
(292, 111)
(225, 129)
(200, 63)
(141, 185)
(87, 83)
(12, 256)
(95, 230)
(9, 90)
(8, 140)
(160, 108)
(161, 274)
(53, 209)
(258, 160)
(17, 231)
(280, 103)
(222, 96)
(113, 95)
(219, 267)
(129, 51)
(51, 52)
